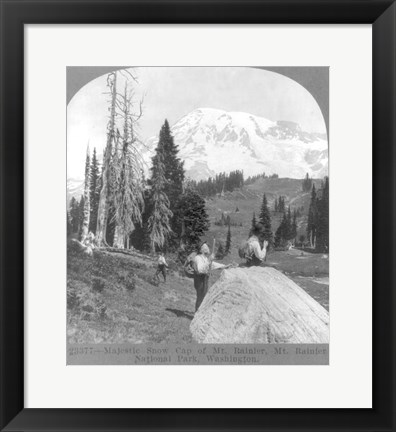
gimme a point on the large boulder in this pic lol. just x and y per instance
(259, 305)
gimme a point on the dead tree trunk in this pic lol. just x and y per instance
(119, 237)
(104, 199)
(87, 206)
(127, 167)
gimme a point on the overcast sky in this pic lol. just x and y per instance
(172, 92)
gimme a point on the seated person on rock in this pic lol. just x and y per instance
(255, 255)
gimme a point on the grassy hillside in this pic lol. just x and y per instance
(248, 200)
(115, 298)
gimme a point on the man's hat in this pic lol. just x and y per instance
(204, 248)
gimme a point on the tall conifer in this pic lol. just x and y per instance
(174, 167)
(254, 222)
(80, 216)
(281, 232)
(69, 227)
(192, 216)
(228, 241)
(312, 218)
(265, 220)
(159, 222)
(288, 228)
(74, 214)
(322, 233)
(87, 207)
(220, 251)
(94, 192)
(294, 225)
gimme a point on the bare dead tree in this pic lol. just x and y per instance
(105, 193)
(87, 206)
(127, 168)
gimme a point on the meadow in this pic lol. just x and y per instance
(114, 297)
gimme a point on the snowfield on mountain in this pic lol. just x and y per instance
(212, 141)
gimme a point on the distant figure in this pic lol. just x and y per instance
(89, 243)
(161, 267)
(255, 254)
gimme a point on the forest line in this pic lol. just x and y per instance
(122, 208)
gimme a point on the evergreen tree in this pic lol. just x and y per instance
(80, 216)
(307, 184)
(174, 176)
(254, 222)
(191, 215)
(276, 204)
(222, 182)
(312, 218)
(87, 206)
(220, 251)
(160, 219)
(294, 225)
(281, 204)
(322, 232)
(69, 226)
(281, 233)
(288, 234)
(74, 214)
(94, 192)
(265, 221)
(174, 167)
(140, 238)
(110, 224)
(228, 241)
(287, 229)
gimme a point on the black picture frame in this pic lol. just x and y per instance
(14, 14)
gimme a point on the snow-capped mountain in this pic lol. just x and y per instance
(74, 185)
(75, 188)
(212, 141)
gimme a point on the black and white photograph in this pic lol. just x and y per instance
(180, 183)
(197, 215)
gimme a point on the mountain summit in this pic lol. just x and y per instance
(212, 141)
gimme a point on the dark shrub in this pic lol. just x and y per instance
(130, 283)
(98, 284)
(72, 299)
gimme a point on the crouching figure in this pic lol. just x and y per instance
(253, 252)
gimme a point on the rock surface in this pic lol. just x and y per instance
(259, 305)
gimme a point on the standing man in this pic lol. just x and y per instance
(255, 254)
(162, 266)
(202, 266)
